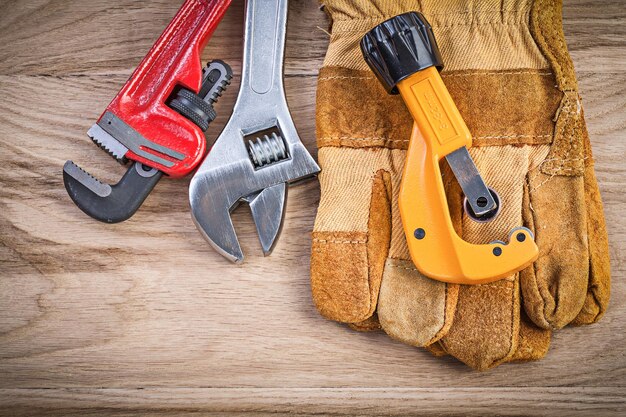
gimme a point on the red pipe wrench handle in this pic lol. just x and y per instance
(141, 105)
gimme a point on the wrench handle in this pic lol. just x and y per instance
(264, 45)
(173, 61)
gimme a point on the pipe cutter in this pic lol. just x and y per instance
(259, 151)
(158, 119)
(404, 56)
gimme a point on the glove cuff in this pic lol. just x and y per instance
(496, 34)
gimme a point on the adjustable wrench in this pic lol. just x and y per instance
(259, 152)
(158, 118)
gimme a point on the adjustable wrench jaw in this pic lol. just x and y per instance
(229, 176)
(148, 122)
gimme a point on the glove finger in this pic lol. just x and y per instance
(486, 326)
(352, 233)
(533, 343)
(413, 308)
(555, 286)
(571, 278)
(599, 285)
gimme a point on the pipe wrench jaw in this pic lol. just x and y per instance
(403, 54)
(116, 203)
(106, 203)
(144, 125)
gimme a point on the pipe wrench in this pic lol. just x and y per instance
(259, 151)
(403, 54)
(158, 119)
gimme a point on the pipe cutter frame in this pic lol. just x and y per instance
(403, 54)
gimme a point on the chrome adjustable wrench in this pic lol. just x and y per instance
(259, 151)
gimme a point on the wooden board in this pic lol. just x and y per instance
(144, 317)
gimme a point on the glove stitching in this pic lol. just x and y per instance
(324, 241)
(363, 138)
(447, 75)
(491, 74)
(481, 12)
(340, 77)
(416, 270)
(435, 26)
(407, 140)
(567, 112)
(486, 23)
(477, 12)
(513, 136)
(404, 267)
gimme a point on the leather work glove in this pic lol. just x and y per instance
(509, 72)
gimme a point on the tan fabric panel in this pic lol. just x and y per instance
(504, 169)
(346, 183)
(495, 34)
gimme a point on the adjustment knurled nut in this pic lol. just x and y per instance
(400, 47)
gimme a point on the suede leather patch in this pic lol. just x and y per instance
(546, 25)
(353, 110)
(555, 286)
(412, 308)
(347, 267)
(567, 156)
(499, 107)
(338, 258)
(485, 331)
(533, 343)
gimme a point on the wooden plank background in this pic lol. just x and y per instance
(144, 317)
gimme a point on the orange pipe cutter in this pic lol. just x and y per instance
(403, 54)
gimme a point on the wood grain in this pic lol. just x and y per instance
(144, 317)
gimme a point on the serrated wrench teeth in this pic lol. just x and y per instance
(108, 143)
(71, 170)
